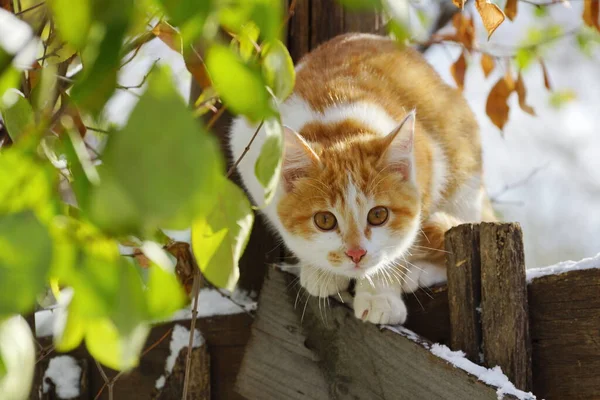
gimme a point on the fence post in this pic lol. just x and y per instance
(464, 289)
(504, 308)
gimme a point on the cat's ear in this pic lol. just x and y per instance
(298, 156)
(399, 145)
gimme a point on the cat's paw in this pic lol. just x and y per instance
(322, 283)
(381, 308)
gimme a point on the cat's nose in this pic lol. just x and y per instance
(356, 254)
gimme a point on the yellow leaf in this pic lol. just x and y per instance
(522, 93)
(496, 106)
(546, 76)
(459, 3)
(487, 64)
(458, 70)
(510, 9)
(591, 11)
(491, 15)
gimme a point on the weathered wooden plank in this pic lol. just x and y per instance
(326, 21)
(299, 29)
(354, 21)
(349, 359)
(504, 310)
(464, 289)
(199, 383)
(564, 311)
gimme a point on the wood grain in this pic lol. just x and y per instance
(333, 355)
(565, 331)
(199, 385)
(464, 289)
(504, 305)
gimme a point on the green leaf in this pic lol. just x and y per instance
(112, 348)
(268, 165)
(266, 14)
(2, 367)
(25, 253)
(69, 335)
(362, 4)
(157, 171)
(17, 358)
(248, 38)
(9, 79)
(525, 57)
(240, 85)
(278, 69)
(72, 19)
(164, 293)
(400, 31)
(17, 113)
(189, 16)
(540, 11)
(102, 55)
(219, 239)
(560, 98)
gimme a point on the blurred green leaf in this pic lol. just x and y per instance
(26, 185)
(44, 93)
(362, 4)
(278, 69)
(25, 253)
(189, 16)
(248, 40)
(560, 98)
(525, 57)
(112, 348)
(400, 31)
(9, 79)
(540, 11)
(219, 239)
(267, 14)
(268, 165)
(73, 19)
(17, 113)
(240, 85)
(17, 358)
(164, 293)
(157, 171)
(69, 334)
(102, 55)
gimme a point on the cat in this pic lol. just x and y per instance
(381, 157)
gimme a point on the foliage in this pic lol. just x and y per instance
(162, 170)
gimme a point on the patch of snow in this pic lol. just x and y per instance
(180, 338)
(211, 302)
(565, 266)
(44, 322)
(179, 236)
(160, 382)
(65, 373)
(490, 376)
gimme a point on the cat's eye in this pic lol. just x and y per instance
(325, 220)
(377, 216)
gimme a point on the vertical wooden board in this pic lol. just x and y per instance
(199, 382)
(464, 289)
(504, 310)
(298, 40)
(564, 312)
(368, 22)
(326, 21)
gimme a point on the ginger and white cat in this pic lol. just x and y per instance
(381, 158)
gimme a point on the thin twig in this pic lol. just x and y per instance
(107, 382)
(30, 8)
(159, 341)
(139, 85)
(234, 166)
(514, 185)
(188, 363)
(215, 117)
(91, 128)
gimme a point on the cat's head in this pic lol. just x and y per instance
(350, 206)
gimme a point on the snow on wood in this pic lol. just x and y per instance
(65, 373)
(563, 267)
(490, 376)
(211, 302)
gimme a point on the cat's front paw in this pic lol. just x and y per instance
(381, 308)
(322, 283)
